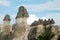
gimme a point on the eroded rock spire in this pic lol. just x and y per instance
(40, 21)
(22, 12)
(6, 18)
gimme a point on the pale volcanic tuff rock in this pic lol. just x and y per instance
(6, 28)
(6, 33)
(6, 22)
(18, 32)
(19, 29)
(22, 12)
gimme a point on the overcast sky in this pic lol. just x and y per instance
(36, 8)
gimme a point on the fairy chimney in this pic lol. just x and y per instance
(40, 21)
(52, 21)
(6, 20)
(21, 23)
(22, 16)
(6, 25)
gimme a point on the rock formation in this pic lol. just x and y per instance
(21, 23)
(7, 18)
(22, 31)
(34, 23)
(40, 21)
(22, 12)
(52, 21)
(32, 34)
(6, 33)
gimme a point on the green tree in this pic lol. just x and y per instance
(45, 36)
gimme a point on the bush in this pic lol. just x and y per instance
(45, 36)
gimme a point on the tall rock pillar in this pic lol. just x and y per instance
(21, 23)
(6, 20)
(6, 26)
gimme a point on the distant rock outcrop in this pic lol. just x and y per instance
(40, 21)
(7, 17)
(52, 21)
(45, 22)
(34, 23)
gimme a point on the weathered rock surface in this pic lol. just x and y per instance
(22, 12)
(7, 18)
(32, 34)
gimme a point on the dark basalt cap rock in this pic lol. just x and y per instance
(6, 18)
(22, 12)
(45, 22)
(34, 23)
(52, 21)
(40, 21)
(49, 21)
